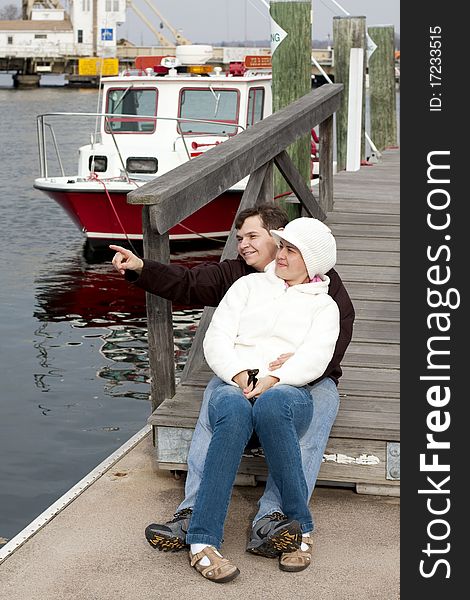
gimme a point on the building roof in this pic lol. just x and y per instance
(29, 25)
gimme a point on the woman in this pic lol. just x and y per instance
(286, 309)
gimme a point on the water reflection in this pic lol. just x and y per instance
(89, 308)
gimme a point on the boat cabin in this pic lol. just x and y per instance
(153, 122)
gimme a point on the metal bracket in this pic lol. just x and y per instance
(393, 460)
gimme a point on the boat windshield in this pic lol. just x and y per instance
(255, 106)
(131, 101)
(212, 104)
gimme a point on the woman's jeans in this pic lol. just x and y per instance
(325, 399)
(279, 416)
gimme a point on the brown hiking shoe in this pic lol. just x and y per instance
(274, 534)
(169, 536)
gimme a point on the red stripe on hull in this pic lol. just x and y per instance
(92, 212)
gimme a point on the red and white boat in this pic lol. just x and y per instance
(152, 120)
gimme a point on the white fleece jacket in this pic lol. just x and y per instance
(259, 318)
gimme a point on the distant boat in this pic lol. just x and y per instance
(154, 118)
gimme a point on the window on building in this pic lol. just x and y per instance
(255, 106)
(10, 39)
(112, 6)
(80, 36)
(40, 36)
(211, 104)
(131, 101)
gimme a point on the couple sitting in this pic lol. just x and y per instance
(285, 323)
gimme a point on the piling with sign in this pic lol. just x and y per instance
(291, 76)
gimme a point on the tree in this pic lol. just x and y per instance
(10, 12)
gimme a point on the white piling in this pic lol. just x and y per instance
(353, 146)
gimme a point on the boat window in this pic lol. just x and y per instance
(131, 101)
(97, 164)
(212, 104)
(255, 106)
(142, 164)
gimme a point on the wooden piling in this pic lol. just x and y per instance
(326, 165)
(291, 79)
(159, 319)
(383, 112)
(348, 32)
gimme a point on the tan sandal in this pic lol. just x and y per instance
(220, 570)
(297, 560)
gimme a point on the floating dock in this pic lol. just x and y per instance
(95, 549)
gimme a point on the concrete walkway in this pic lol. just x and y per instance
(95, 548)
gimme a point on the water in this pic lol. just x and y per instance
(74, 368)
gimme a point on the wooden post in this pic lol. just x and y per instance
(266, 193)
(383, 112)
(325, 185)
(159, 319)
(348, 32)
(292, 78)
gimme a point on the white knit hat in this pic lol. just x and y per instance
(315, 242)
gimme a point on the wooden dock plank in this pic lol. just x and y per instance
(370, 291)
(357, 192)
(373, 244)
(362, 218)
(366, 330)
(356, 205)
(369, 258)
(375, 360)
(358, 230)
(377, 309)
(371, 414)
(369, 273)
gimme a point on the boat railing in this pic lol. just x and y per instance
(43, 126)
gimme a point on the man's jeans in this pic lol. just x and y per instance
(312, 445)
(279, 416)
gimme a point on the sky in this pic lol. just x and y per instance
(211, 21)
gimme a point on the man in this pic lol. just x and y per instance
(206, 285)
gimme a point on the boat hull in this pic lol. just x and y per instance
(105, 216)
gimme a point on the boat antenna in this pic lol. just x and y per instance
(348, 14)
(217, 100)
(122, 97)
(257, 9)
(98, 104)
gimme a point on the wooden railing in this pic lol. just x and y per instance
(174, 196)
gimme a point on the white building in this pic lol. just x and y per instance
(95, 25)
(88, 30)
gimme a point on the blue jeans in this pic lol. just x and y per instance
(279, 416)
(325, 399)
